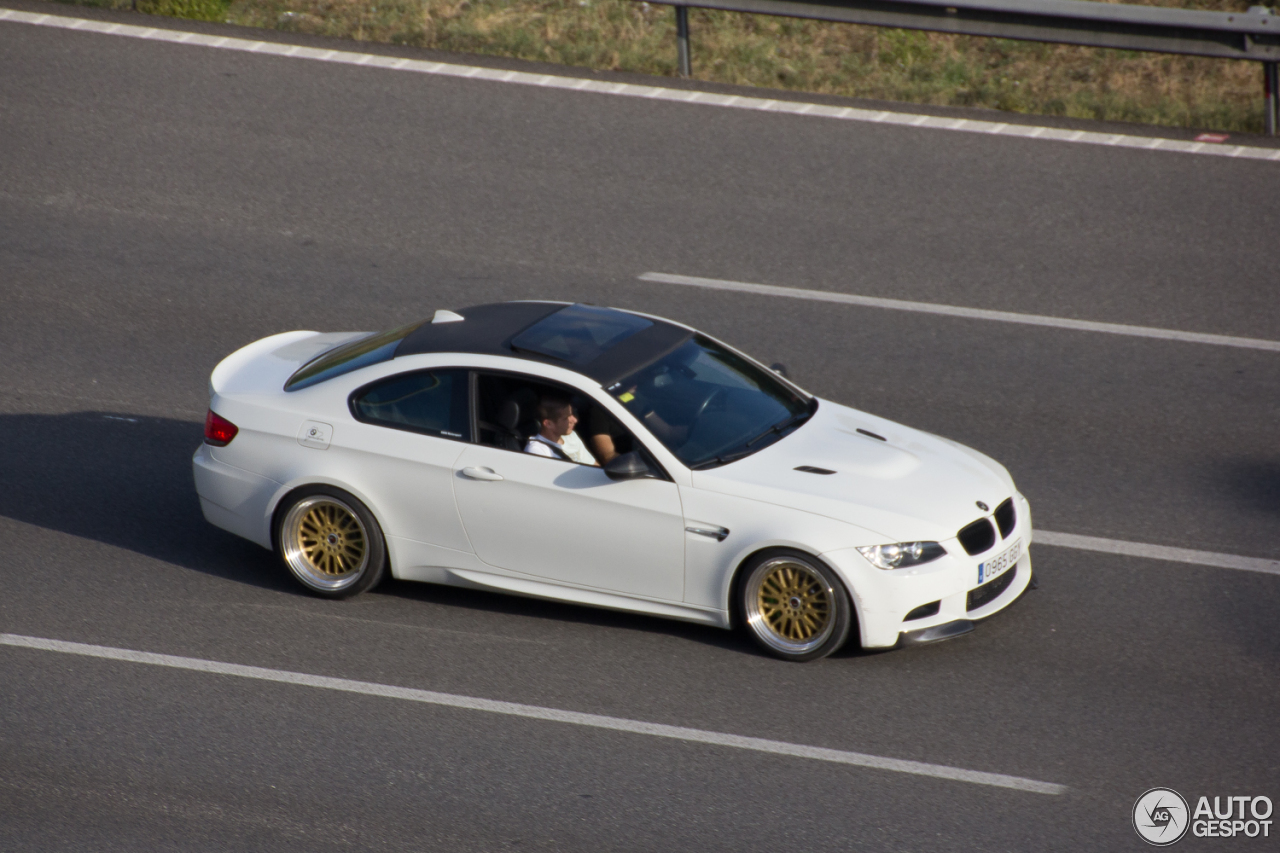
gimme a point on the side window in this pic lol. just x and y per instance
(507, 417)
(507, 408)
(433, 402)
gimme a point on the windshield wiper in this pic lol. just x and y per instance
(746, 450)
(722, 459)
(780, 427)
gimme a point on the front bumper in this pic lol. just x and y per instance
(884, 599)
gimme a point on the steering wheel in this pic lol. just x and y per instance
(706, 403)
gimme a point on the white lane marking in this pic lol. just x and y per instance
(450, 700)
(682, 95)
(1156, 552)
(957, 311)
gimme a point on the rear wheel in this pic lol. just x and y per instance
(794, 607)
(331, 543)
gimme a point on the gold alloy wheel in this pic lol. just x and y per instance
(324, 542)
(790, 605)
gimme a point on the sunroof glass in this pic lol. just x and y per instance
(579, 333)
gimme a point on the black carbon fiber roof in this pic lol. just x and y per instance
(490, 329)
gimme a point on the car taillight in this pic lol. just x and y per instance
(218, 431)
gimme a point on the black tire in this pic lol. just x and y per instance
(330, 542)
(793, 605)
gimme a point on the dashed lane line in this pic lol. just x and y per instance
(660, 93)
(553, 715)
(1156, 552)
(958, 311)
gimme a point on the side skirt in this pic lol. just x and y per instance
(590, 597)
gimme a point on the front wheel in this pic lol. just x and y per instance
(794, 607)
(331, 543)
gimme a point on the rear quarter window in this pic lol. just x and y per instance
(432, 402)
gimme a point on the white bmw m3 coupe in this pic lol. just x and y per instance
(606, 458)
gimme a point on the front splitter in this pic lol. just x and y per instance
(935, 633)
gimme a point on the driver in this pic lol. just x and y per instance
(555, 437)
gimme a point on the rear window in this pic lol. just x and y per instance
(361, 353)
(579, 333)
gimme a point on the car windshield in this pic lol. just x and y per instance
(710, 406)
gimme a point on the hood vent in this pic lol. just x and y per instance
(870, 434)
(809, 469)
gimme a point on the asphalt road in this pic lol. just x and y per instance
(161, 205)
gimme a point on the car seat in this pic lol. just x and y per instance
(515, 420)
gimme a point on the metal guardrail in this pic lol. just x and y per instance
(1252, 35)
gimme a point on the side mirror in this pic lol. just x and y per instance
(780, 369)
(628, 466)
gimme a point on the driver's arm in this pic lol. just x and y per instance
(600, 440)
(666, 433)
(602, 447)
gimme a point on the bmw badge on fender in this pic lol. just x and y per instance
(612, 459)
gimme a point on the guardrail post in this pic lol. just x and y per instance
(1271, 84)
(682, 41)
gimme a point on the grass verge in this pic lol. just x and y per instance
(786, 53)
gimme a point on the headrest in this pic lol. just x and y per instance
(509, 414)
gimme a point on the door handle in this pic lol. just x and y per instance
(717, 533)
(481, 474)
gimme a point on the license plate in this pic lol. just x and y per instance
(999, 564)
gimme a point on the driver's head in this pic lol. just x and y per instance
(555, 416)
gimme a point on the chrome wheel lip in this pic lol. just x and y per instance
(760, 625)
(295, 556)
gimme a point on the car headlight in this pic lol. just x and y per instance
(902, 554)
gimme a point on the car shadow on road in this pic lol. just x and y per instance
(1255, 485)
(125, 480)
(1244, 603)
(559, 611)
